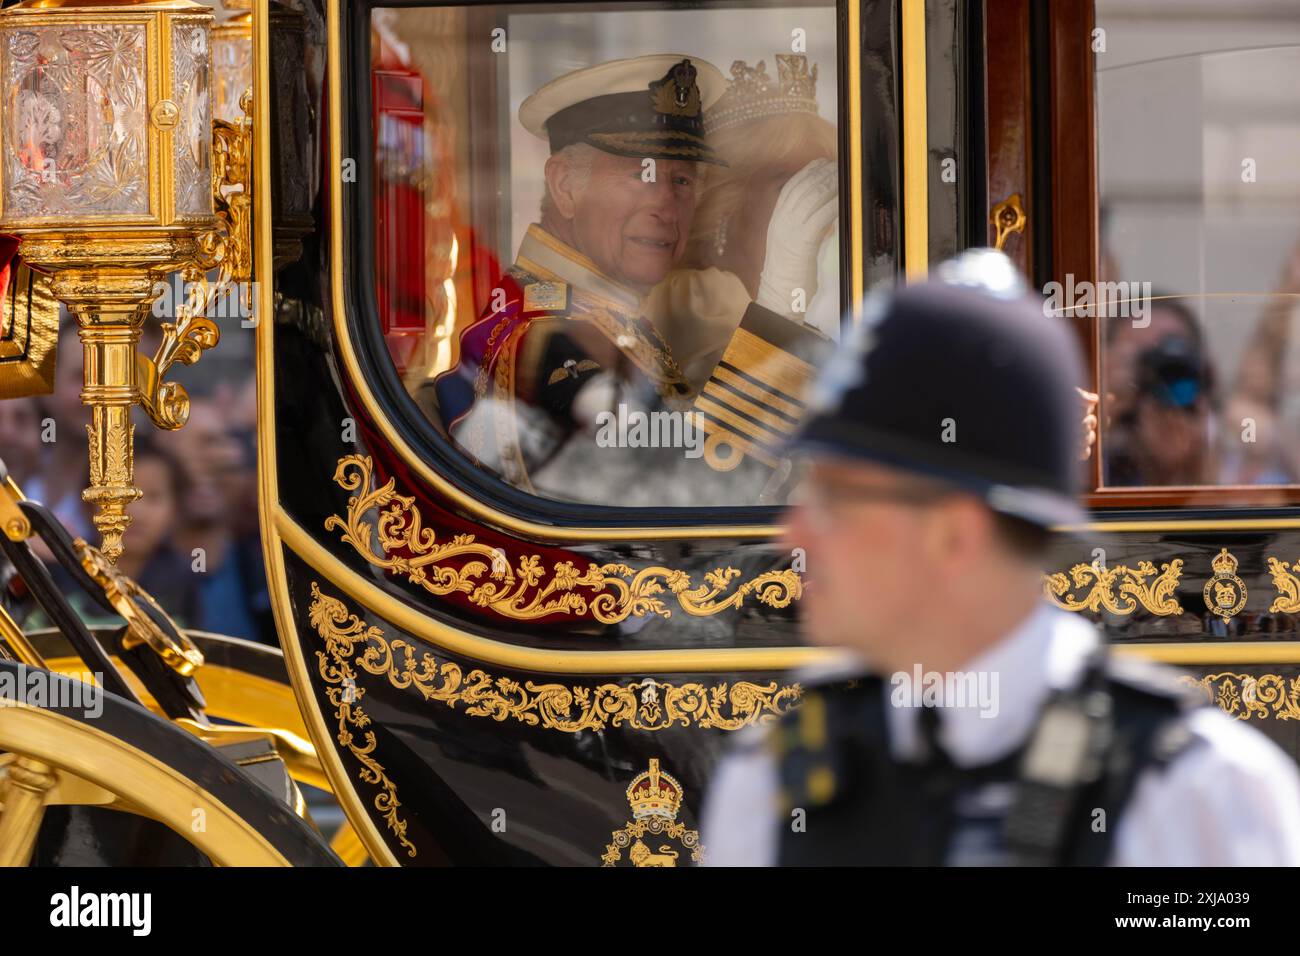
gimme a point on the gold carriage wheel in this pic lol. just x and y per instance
(236, 689)
(233, 689)
(56, 760)
(124, 758)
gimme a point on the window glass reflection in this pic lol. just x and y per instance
(1198, 130)
(607, 242)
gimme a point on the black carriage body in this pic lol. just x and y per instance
(468, 716)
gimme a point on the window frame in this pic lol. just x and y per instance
(1037, 147)
(420, 439)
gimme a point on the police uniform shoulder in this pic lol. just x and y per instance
(1160, 699)
(807, 742)
(1156, 681)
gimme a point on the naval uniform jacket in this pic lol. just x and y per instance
(1220, 794)
(559, 344)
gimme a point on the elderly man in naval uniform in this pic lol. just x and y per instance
(562, 339)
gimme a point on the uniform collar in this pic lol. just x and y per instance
(547, 257)
(1045, 652)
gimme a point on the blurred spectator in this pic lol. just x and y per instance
(1258, 396)
(1159, 400)
(218, 523)
(64, 472)
(150, 555)
(200, 492)
(20, 441)
(1168, 421)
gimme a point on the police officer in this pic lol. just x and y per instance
(972, 723)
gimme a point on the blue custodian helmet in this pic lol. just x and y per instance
(965, 379)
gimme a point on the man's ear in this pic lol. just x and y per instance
(956, 533)
(560, 181)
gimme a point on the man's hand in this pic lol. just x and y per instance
(1090, 422)
(805, 210)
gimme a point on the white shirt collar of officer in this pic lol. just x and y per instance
(1047, 651)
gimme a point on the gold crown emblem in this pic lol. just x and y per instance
(654, 794)
(752, 93)
(1224, 564)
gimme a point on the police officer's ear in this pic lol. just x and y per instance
(564, 182)
(958, 532)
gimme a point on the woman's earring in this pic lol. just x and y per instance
(720, 236)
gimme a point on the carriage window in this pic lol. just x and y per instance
(608, 238)
(1198, 132)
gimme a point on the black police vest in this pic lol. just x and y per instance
(861, 806)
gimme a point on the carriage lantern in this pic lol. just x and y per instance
(114, 177)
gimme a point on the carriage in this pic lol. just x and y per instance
(485, 665)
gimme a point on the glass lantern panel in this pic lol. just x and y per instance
(232, 60)
(192, 139)
(75, 115)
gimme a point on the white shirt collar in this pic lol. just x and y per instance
(1046, 651)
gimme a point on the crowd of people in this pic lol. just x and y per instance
(1176, 417)
(193, 541)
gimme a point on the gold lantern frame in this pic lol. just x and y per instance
(109, 268)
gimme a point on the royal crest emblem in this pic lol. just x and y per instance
(654, 837)
(1225, 593)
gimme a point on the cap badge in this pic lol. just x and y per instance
(677, 93)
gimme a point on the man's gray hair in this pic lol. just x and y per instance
(579, 157)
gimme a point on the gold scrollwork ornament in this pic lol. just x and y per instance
(1243, 696)
(1288, 586)
(608, 592)
(1225, 593)
(647, 704)
(336, 669)
(1119, 590)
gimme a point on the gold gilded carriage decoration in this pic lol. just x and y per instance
(1119, 590)
(647, 704)
(29, 328)
(1288, 587)
(1225, 593)
(527, 591)
(351, 645)
(1243, 696)
(654, 837)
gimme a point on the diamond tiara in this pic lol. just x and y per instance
(752, 94)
